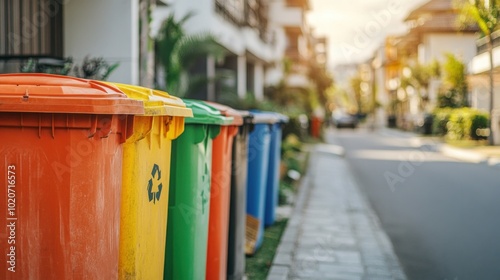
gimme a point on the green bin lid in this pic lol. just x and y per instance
(205, 114)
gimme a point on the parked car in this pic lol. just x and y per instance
(343, 119)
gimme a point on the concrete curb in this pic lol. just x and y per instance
(447, 150)
(468, 156)
(280, 268)
(461, 154)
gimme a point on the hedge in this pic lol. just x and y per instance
(460, 123)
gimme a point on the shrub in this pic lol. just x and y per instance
(460, 124)
(440, 121)
(479, 121)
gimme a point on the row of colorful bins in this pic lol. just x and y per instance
(91, 169)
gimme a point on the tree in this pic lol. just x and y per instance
(485, 14)
(454, 91)
(419, 77)
(362, 96)
(177, 53)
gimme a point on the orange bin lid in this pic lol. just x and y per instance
(46, 93)
(228, 112)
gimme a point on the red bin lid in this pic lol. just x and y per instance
(228, 112)
(46, 93)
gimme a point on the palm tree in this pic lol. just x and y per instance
(486, 14)
(178, 53)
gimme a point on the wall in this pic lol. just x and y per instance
(286, 16)
(436, 45)
(104, 28)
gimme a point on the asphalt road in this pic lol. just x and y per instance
(442, 215)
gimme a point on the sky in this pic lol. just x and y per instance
(356, 28)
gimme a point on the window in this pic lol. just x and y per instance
(31, 28)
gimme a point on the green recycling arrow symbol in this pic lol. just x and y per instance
(154, 195)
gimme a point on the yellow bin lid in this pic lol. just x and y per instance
(159, 103)
(156, 102)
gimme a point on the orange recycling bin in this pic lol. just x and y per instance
(61, 164)
(220, 193)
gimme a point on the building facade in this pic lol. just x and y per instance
(479, 82)
(51, 30)
(433, 33)
(257, 34)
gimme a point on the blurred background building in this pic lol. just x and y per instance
(258, 36)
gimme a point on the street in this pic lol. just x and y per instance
(441, 214)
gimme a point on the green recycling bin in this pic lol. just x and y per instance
(189, 195)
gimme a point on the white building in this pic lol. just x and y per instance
(241, 28)
(292, 34)
(256, 33)
(53, 30)
(105, 29)
(479, 82)
(434, 33)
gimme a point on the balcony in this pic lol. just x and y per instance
(233, 11)
(442, 22)
(256, 17)
(288, 16)
(481, 63)
(482, 43)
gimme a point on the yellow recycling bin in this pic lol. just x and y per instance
(146, 175)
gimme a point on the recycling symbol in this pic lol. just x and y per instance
(154, 195)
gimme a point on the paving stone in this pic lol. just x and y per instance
(283, 259)
(278, 272)
(285, 247)
(378, 271)
(333, 233)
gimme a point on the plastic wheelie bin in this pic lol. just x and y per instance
(273, 175)
(146, 175)
(220, 191)
(237, 212)
(189, 200)
(61, 157)
(258, 163)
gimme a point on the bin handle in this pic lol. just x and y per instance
(100, 126)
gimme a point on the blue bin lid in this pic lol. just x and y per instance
(264, 117)
(269, 117)
(282, 118)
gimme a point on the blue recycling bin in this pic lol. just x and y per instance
(273, 174)
(258, 163)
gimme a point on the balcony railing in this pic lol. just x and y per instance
(233, 11)
(441, 22)
(482, 43)
(256, 12)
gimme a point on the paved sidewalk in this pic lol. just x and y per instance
(333, 233)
